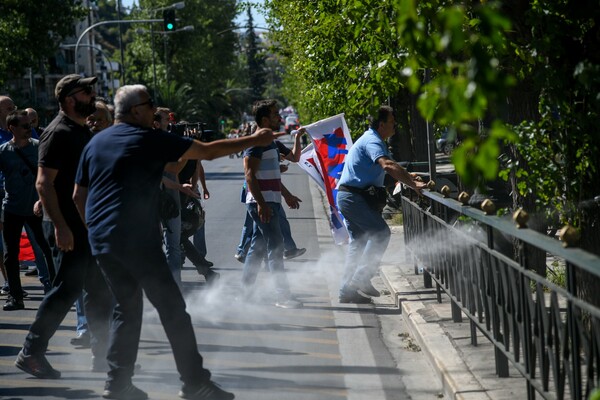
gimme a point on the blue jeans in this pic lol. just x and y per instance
(246, 236)
(11, 235)
(172, 234)
(247, 230)
(266, 239)
(80, 311)
(369, 237)
(199, 239)
(45, 275)
(286, 231)
(172, 238)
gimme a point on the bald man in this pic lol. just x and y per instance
(100, 119)
(34, 120)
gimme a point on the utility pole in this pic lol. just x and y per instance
(121, 44)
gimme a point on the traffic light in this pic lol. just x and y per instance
(169, 20)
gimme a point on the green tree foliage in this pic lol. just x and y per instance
(255, 59)
(201, 59)
(493, 72)
(351, 56)
(556, 53)
(30, 32)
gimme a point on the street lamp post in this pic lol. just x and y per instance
(105, 23)
(188, 28)
(99, 50)
(174, 6)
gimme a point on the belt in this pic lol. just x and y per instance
(351, 189)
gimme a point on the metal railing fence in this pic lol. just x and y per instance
(548, 332)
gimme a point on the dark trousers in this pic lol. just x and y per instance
(129, 274)
(11, 234)
(191, 252)
(77, 270)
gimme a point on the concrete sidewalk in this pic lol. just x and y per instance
(466, 371)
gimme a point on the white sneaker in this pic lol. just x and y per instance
(288, 303)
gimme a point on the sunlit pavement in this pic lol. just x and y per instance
(323, 351)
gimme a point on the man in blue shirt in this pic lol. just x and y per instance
(117, 192)
(365, 166)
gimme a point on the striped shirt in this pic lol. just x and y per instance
(268, 174)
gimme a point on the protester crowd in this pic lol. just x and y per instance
(75, 187)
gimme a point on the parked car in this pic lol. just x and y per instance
(291, 123)
(446, 143)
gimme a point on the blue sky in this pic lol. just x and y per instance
(259, 20)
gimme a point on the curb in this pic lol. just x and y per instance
(458, 381)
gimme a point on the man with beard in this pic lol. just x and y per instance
(60, 148)
(263, 200)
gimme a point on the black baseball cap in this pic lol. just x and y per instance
(70, 82)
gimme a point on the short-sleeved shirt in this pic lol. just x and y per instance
(19, 179)
(268, 173)
(122, 169)
(60, 147)
(361, 168)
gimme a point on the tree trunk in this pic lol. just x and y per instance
(401, 143)
(418, 129)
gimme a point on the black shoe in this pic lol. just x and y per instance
(289, 254)
(205, 391)
(206, 263)
(128, 392)
(36, 365)
(352, 296)
(211, 277)
(13, 305)
(368, 289)
(33, 272)
(47, 287)
(82, 339)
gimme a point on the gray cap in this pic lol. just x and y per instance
(70, 82)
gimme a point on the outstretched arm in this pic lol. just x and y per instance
(219, 148)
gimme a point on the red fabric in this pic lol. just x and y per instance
(26, 253)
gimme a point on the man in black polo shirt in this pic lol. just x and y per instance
(60, 147)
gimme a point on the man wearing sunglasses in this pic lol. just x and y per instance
(117, 193)
(18, 163)
(60, 148)
(6, 107)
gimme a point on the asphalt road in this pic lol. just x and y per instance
(325, 350)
